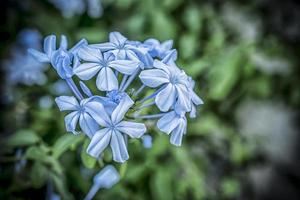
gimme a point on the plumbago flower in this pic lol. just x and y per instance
(111, 114)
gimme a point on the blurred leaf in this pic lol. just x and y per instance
(63, 143)
(60, 185)
(192, 18)
(93, 35)
(161, 185)
(230, 187)
(87, 160)
(188, 44)
(164, 28)
(38, 174)
(23, 138)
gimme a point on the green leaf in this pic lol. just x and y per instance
(230, 188)
(38, 174)
(63, 143)
(23, 138)
(87, 160)
(60, 185)
(161, 185)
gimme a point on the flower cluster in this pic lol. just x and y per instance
(137, 81)
(72, 7)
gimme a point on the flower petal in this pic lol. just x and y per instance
(117, 38)
(124, 66)
(86, 71)
(78, 46)
(99, 142)
(39, 56)
(107, 80)
(106, 46)
(66, 103)
(87, 124)
(184, 100)
(119, 112)
(195, 98)
(90, 54)
(49, 44)
(166, 98)
(97, 111)
(168, 122)
(71, 121)
(154, 77)
(63, 42)
(118, 147)
(133, 129)
(177, 134)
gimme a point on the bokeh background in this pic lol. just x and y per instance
(244, 144)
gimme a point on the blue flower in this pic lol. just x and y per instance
(69, 8)
(173, 84)
(113, 131)
(97, 62)
(94, 8)
(120, 46)
(106, 178)
(147, 141)
(157, 49)
(175, 124)
(86, 112)
(61, 59)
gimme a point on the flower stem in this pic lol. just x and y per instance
(94, 189)
(149, 116)
(139, 90)
(130, 79)
(152, 95)
(74, 88)
(123, 82)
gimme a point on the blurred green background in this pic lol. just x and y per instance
(242, 145)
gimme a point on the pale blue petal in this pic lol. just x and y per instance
(63, 42)
(170, 57)
(118, 147)
(147, 141)
(177, 134)
(107, 80)
(107, 177)
(154, 77)
(71, 121)
(167, 44)
(166, 98)
(184, 100)
(160, 65)
(168, 122)
(117, 38)
(39, 56)
(124, 66)
(50, 44)
(195, 98)
(87, 124)
(97, 111)
(90, 54)
(67, 103)
(78, 46)
(133, 129)
(86, 71)
(104, 46)
(120, 111)
(193, 112)
(99, 142)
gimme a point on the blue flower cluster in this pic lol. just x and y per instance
(72, 7)
(114, 114)
(21, 67)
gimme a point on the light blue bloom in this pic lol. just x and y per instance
(106, 178)
(97, 62)
(173, 84)
(157, 49)
(86, 112)
(22, 68)
(94, 8)
(69, 8)
(60, 87)
(120, 46)
(46, 102)
(175, 124)
(61, 59)
(113, 131)
(29, 38)
(147, 141)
